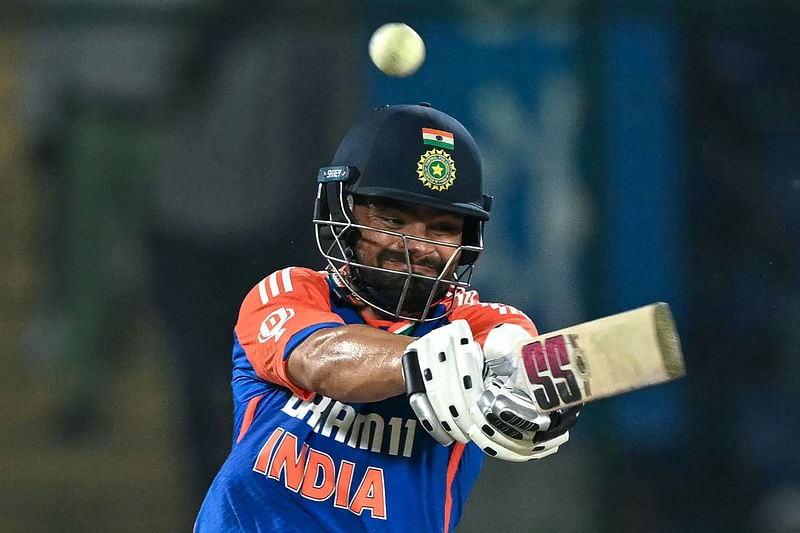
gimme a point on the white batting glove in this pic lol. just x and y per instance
(443, 371)
(516, 429)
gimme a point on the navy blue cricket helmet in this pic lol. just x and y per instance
(414, 154)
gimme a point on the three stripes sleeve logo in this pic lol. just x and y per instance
(274, 325)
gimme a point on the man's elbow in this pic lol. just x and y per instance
(313, 365)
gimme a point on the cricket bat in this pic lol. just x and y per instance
(601, 358)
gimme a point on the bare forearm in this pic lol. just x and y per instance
(351, 364)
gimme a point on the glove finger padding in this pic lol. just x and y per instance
(450, 364)
(498, 438)
(513, 429)
(511, 412)
(501, 446)
(496, 444)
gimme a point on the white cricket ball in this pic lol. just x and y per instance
(396, 49)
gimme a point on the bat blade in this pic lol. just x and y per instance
(604, 357)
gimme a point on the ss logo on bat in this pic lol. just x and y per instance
(549, 367)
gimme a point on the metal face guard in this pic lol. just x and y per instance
(338, 255)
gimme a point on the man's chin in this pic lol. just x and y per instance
(416, 299)
(387, 294)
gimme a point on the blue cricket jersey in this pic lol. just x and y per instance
(301, 461)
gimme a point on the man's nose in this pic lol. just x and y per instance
(416, 246)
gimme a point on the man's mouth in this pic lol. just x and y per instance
(401, 266)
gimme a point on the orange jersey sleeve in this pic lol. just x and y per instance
(278, 314)
(483, 316)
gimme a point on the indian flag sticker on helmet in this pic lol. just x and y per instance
(436, 170)
(440, 138)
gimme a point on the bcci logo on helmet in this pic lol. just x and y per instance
(273, 326)
(436, 170)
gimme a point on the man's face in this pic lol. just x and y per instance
(374, 248)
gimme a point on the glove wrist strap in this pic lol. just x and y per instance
(412, 374)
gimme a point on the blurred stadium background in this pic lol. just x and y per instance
(157, 157)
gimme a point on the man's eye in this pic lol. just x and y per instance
(445, 228)
(394, 221)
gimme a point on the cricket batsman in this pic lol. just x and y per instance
(366, 395)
